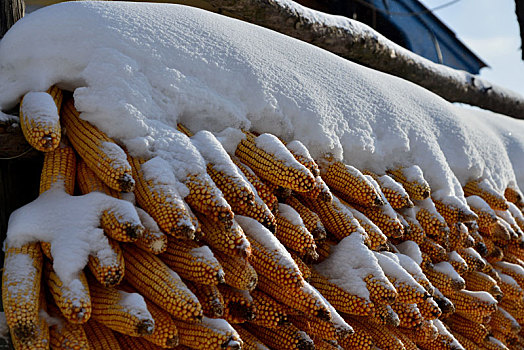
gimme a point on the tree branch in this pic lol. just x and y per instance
(358, 42)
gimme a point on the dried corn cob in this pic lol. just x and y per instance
(59, 168)
(314, 327)
(323, 344)
(429, 309)
(510, 288)
(335, 217)
(269, 257)
(193, 262)
(271, 161)
(408, 314)
(285, 337)
(39, 118)
(515, 308)
(434, 250)
(121, 311)
(485, 190)
(108, 267)
(40, 335)
(209, 297)
(503, 322)
(68, 336)
(412, 179)
(263, 191)
(396, 195)
(473, 305)
(292, 233)
(376, 238)
(382, 338)
(479, 281)
(239, 306)
(384, 314)
(340, 298)
(406, 341)
(164, 287)
(385, 218)
(424, 333)
(306, 272)
(431, 221)
(270, 313)
(231, 240)
(165, 333)
(89, 182)
(458, 235)
(160, 197)
(514, 195)
(444, 277)
(472, 258)
(465, 342)
(350, 183)
(210, 334)
(444, 341)
(21, 291)
(492, 343)
(458, 263)
(301, 154)
(304, 299)
(238, 271)
(471, 330)
(101, 153)
(415, 232)
(100, 337)
(250, 341)
(453, 210)
(513, 270)
(321, 191)
(361, 339)
(517, 215)
(152, 240)
(73, 298)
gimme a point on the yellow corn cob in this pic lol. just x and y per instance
(514, 308)
(360, 339)
(473, 259)
(270, 313)
(380, 290)
(323, 344)
(479, 281)
(458, 234)
(39, 339)
(382, 338)
(306, 272)
(424, 333)
(113, 308)
(465, 342)
(484, 190)
(100, 337)
(229, 240)
(471, 330)
(286, 172)
(304, 299)
(162, 202)
(250, 341)
(128, 342)
(442, 342)
(310, 219)
(514, 195)
(514, 270)
(209, 297)
(101, 153)
(446, 282)
(301, 154)
(413, 181)
(510, 288)
(193, 262)
(239, 306)
(434, 250)
(59, 167)
(406, 341)
(263, 191)
(41, 124)
(165, 333)
(238, 271)
(432, 223)
(164, 287)
(152, 239)
(73, 300)
(342, 300)
(408, 314)
(89, 182)
(350, 183)
(324, 249)
(21, 291)
(236, 191)
(429, 309)
(376, 238)
(473, 305)
(335, 217)
(458, 263)
(260, 212)
(108, 272)
(285, 337)
(503, 322)
(68, 336)
(415, 232)
(385, 315)
(454, 214)
(395, 194)
(385, 218)
(491, 343)
(321, 191)
(210, 334)
(293, 234)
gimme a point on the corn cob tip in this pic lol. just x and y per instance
(186, 230)
(231, 343)
(135, 231)
(378, 201)
(221, 276)
(146, 327)
(126, 183)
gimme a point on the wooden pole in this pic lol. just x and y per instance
(10, 12)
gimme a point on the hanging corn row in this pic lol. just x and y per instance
(268, 249)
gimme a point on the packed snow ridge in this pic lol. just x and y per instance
(137, 69)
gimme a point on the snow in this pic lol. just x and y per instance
(516, 213)
(517, 269)
(271, 144)
(137, 69)
(508, 280)
(447, 269)
(298, 149)
(454, 256)
(70, 224)
(484, 296)
(387, 181)
(408, 264)
(444, 331)
(472, 252)
(349, 263)
(22, 273)
(134, 304)
(40, 107)
(410, 249)
(290, 214)
(219, 325)
(393, 269)
(480, 204)
(203, 253)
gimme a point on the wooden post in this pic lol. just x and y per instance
(10, 12)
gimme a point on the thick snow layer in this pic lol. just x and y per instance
(410, 249)
(447, 269)
(134, 304)
(137, 69)
(290, 214)
(40, 107)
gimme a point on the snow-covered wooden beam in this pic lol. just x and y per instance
(360, 43)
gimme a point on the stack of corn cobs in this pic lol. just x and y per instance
(278, 252)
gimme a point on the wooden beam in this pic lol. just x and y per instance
(10, 12)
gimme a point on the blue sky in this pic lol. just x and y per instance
(490, 29)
